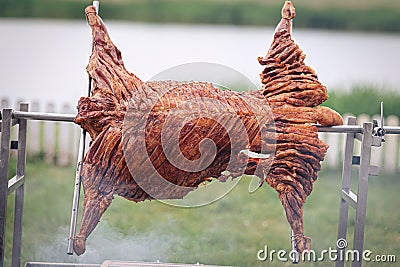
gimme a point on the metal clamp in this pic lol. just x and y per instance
(378, 130)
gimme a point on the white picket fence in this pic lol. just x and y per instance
(386, 157)
(57, 142)
(54, 142)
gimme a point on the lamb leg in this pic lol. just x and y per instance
(293, 205)
(95, 204)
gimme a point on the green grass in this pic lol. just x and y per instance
(348, 101)
(370, 15)
(227, 232)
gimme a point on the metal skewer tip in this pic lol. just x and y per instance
(382, 115)
(96, 4)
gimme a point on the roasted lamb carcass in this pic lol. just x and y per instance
(147, 137)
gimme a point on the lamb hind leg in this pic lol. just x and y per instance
(95, 204)
(293, 204)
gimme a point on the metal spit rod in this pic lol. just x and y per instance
(77, 188)
(43, 116)
(70, 118)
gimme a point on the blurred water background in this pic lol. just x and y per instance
(45, 60)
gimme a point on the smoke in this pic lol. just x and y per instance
(108, 243)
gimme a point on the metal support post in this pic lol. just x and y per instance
(4, 165)
(359, 201)
(19, 193)
(346, 179)
(362, 192)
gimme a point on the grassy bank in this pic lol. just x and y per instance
(369, 15)
(227, 232)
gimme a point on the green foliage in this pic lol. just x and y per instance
(372, 17)
(349, 19)
(364, 99)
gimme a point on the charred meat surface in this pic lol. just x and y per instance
(127, 120)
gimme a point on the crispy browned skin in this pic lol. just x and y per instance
(293, 91)
(125, 115)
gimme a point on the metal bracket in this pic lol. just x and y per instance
(373, 170)
(377, 141)
(378, 130)
(350, 197)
